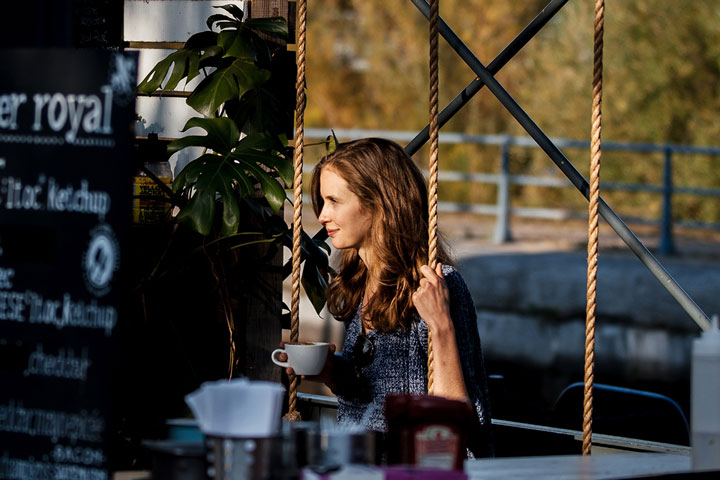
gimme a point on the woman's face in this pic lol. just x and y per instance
(342, 215)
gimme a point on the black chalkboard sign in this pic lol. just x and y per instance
(66, 122)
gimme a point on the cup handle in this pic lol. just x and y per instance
(276, 361)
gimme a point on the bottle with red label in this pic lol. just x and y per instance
(427, 431)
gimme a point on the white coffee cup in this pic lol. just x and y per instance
(306, 358)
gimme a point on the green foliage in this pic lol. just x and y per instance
(238, 56)
(228, 172)
(230, 81)
(246, 99)
(239, 62)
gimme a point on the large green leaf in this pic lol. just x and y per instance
(274, 192)
(235, 43)
(251, 154)
(316, 269)
(179, 61)
(222, 135)
(193, 68)
(229, 175)
(185, 63)
(275, 25)
(190, 175)
(282, 166)
(315, 284)
(199, 212)
(231, 209)
(220, 19)
(210, 56)
(261, 111)
(313, 248)
(206, 180)
(226, 83)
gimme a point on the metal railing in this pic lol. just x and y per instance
(502, 209)
(324, 408)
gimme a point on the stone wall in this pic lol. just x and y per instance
(531, 310)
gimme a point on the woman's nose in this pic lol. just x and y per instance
(323, 217)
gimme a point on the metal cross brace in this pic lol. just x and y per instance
(485, 77)
(503, 57)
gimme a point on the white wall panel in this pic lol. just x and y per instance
(168, 20)
(166, 117)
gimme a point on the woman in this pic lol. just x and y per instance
(372, 200)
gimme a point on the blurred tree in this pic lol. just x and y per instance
(368, 61)
(661, 80)
(367, 67)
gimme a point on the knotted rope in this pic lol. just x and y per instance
(433, 167)
(293, 414)
(593, 227)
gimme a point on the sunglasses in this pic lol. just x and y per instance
(362, 353)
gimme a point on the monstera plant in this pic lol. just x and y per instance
(246, 101)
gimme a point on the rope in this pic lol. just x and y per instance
(293, 414)
(593, 227)
(433, 168)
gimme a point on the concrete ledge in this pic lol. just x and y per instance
(531, 309)
(553, 285)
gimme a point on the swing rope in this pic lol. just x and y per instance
(300, 100)
(433, 166)
(593, 227)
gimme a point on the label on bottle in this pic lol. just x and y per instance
(436, 447)
(146, 210)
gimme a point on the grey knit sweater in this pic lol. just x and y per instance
(399, 365)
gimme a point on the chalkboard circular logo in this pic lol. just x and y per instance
(100, 260)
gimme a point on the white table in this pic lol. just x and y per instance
(577, 467)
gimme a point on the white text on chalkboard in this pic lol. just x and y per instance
(6, 276)
(34, 308)
(19, 468)
(47, 194)
(83, 425)
(63, 365)
(9, 105)
(70, 113)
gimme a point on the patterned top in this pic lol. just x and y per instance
(399, 365)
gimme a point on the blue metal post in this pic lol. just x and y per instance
(502, 225)
(667, 245)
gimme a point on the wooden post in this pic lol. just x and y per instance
(259, 311)
(269, 8)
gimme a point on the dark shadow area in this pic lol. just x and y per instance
(169, 342)
(554, 398)
(624, 412)
(62, 23)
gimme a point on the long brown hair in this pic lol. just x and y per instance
(392, 189)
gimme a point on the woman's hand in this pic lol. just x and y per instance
(325, 376)
(432, 300)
